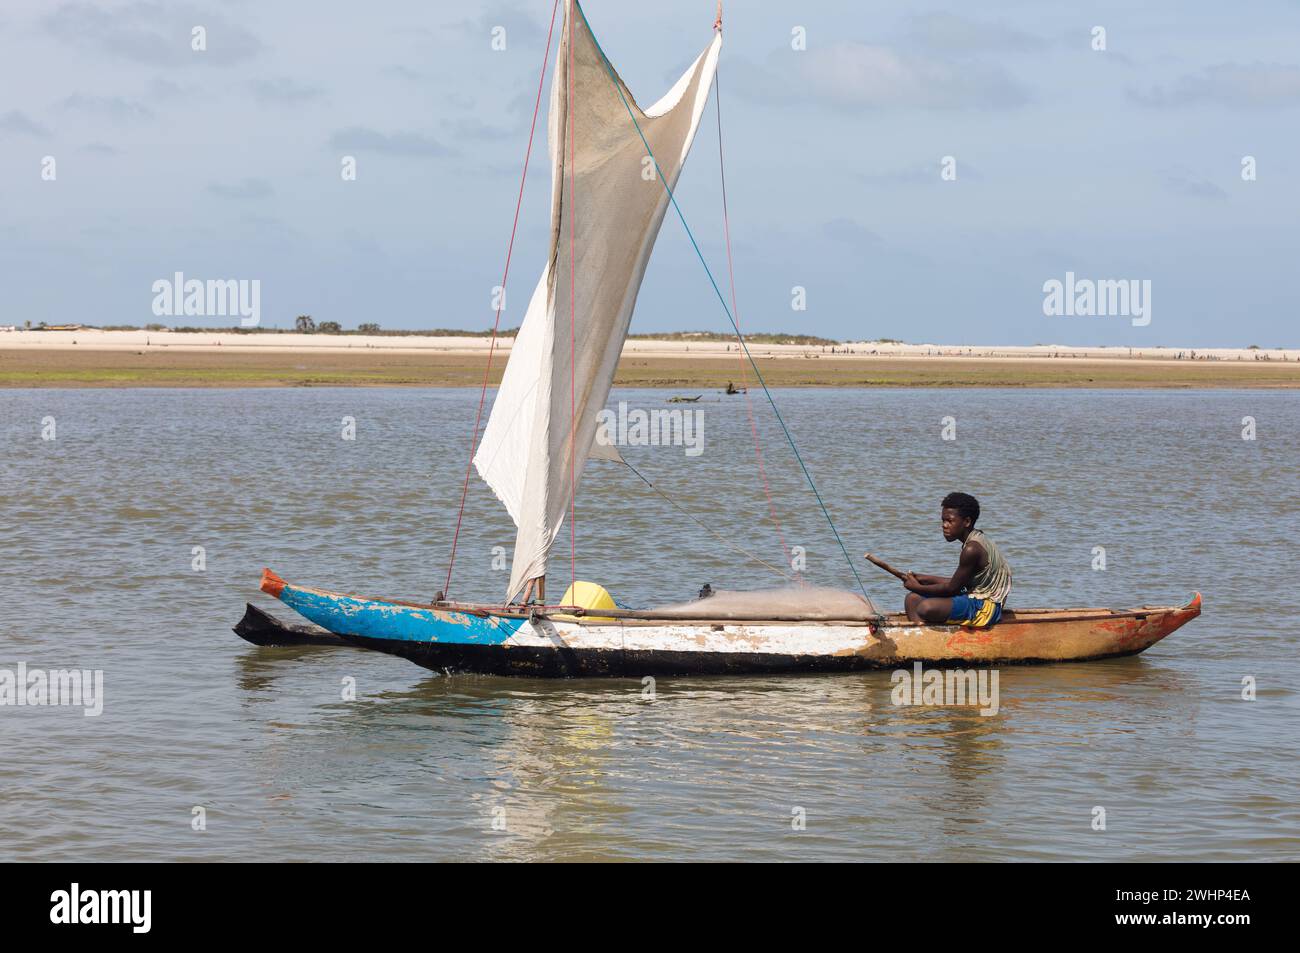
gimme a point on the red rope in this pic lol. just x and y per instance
(740, 354)
(478, 417)
(573, 312)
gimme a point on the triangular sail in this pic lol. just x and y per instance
(607, 203)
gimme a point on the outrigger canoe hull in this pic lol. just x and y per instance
(475, 639)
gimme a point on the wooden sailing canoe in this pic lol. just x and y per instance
(470, 638)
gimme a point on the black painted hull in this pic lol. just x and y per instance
(604, 663)
(262, 628)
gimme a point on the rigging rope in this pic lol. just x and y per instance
(731, 275)
(723, 301)
(571, 159)
(478, 417)
(693, 518)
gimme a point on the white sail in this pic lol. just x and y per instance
(607, 203)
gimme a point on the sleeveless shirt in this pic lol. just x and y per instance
(994, 580)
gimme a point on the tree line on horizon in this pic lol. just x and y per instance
(306, 324)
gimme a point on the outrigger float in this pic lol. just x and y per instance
(695, 639)
(614, 166)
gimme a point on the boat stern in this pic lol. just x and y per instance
(1173, 619)
(1146, 627)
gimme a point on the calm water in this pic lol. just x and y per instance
(98, 526)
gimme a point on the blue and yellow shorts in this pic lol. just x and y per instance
(980, 613)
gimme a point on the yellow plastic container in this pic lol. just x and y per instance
(589, 595)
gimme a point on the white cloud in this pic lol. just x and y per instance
(361, 139)
(116, 108)
(18, 123)
(856, 76)
(1228, 84)
(246, 189)
(284, 90)
(154, 33)
(951, 33)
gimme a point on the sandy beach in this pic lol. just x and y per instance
(94, 358)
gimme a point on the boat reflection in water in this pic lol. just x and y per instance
(534, 769)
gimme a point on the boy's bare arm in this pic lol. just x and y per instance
(967, 566)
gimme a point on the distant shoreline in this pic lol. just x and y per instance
(92, 358)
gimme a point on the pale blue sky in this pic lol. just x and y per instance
(225, 164)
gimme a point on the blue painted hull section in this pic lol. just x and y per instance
(371, 619)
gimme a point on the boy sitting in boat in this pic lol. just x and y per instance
(977, 591)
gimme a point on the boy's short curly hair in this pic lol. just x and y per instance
(964, 504)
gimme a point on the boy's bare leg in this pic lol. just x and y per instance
(910, 603)
(930, 610)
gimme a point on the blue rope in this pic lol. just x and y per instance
(721, 299)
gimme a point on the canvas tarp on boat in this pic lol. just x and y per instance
(806, 603)
(607, 203)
